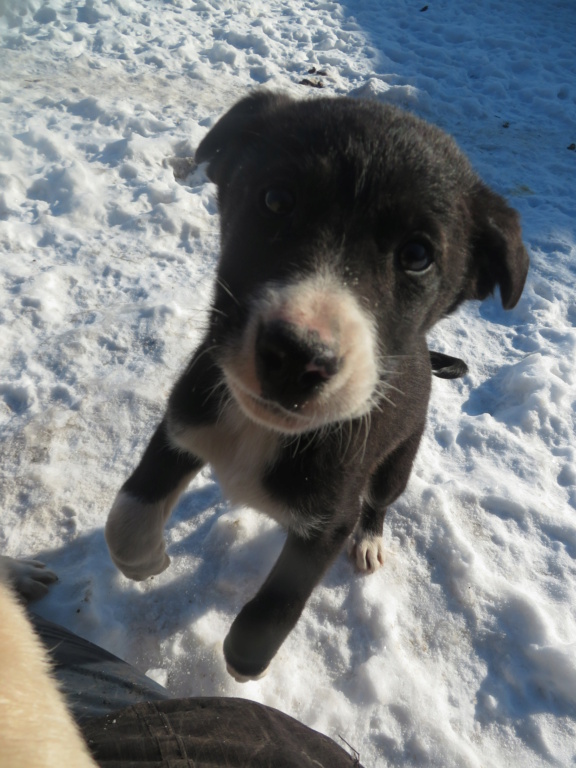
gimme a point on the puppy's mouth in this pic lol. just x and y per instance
(266, 412)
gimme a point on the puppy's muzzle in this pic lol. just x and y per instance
(293, 363)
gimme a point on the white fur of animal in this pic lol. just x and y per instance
(36, 728)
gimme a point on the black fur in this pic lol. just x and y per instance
(446, 367)
(369, 195)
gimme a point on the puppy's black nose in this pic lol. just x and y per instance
(292, 363)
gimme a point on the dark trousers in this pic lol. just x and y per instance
(129, 721)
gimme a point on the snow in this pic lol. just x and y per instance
(461, 651)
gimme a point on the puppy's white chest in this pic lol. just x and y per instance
(239, 451)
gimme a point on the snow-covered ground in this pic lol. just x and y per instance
(461, 651)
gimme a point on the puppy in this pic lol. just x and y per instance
(348, 229)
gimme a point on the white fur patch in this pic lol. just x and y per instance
(35, 725)
(135, 533)
(320, 304)
(239, 450)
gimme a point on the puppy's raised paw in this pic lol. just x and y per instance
(367, 553)
(146, 570)
(134, 537)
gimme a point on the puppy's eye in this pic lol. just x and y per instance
(415, 256)
(278, 201)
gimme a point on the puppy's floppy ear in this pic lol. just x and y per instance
(221, 146)
(498, 254)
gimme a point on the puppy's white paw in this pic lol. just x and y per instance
(134, 537)
(143, 571)
(29, 578)
(368, 553)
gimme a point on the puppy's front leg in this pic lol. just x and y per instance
(264, 623)
(387, 482)
(134, 529)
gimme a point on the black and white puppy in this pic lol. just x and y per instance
(348, 229)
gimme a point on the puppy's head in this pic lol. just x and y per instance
(348, 229)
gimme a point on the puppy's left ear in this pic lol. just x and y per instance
(498, 253)
(223, 144)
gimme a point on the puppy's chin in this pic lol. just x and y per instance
(313, 416)
(269, 414)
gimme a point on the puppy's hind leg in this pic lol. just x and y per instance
(135, 525)
(387, 482)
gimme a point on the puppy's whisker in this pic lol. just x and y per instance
(219, 312)
(227, 290)
(196, 359)
(384, 386)
(366, 424)
(219, 385)
(297, 444)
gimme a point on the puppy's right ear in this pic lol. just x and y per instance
(224, 142)
(498, 253)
